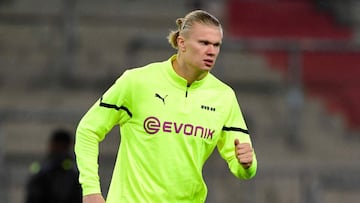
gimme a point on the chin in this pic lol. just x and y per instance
(207, 68)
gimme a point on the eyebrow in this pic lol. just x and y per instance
(208, 42)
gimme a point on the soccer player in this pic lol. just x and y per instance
(172, 114)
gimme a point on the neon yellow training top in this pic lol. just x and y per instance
(168, 131)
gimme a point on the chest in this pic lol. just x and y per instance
(192, 111)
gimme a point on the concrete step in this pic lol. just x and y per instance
(246, 67)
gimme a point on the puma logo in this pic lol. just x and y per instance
(160, 97)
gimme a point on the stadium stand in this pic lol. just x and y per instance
(282, 19)
(43, 87)
(328, 74)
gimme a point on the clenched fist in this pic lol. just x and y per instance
(93, 198)
(244, 153)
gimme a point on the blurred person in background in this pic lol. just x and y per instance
(172, 114)
(55, 180)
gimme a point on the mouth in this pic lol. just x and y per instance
(208, 62)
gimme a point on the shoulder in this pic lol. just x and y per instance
(139, 74)
(149, 69)
(217, 84)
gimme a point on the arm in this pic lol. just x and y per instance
(236, 149)
(92, 129)
(235, 145)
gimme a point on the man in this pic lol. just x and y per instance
(172, 115)
(56, 179)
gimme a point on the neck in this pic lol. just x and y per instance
(186, 72)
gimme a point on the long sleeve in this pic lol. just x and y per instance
(235, 127)
(92, 129)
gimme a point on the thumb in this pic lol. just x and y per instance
(236, 142)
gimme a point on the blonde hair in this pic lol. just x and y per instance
(185, 24)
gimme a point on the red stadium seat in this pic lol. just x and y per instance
(332, 76)
(282, 19)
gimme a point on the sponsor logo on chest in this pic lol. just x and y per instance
(153, 125)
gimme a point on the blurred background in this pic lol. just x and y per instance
(294, 64)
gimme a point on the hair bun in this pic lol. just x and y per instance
(179, 22)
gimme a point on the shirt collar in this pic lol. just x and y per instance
(177, 79)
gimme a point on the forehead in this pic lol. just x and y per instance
(203, 31)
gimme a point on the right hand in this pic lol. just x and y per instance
(93, 198)
(244, 153)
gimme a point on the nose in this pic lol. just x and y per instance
(211, 50)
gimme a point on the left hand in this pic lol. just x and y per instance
(243, 153)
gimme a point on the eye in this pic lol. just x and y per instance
(204, 42)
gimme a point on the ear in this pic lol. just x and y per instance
(181, 43)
